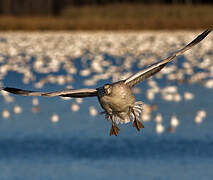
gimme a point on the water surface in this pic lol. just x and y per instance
(78, 145)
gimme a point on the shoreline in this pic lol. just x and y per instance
(116, 18)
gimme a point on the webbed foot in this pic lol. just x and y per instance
(137, 124)
(114, 130)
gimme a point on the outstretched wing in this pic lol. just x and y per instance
(146, 73)
(76, 93)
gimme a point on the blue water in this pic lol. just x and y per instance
(79, 146)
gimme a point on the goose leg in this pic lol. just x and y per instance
(137, 124)
(114, 129)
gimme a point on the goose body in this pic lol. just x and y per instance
(117, 99)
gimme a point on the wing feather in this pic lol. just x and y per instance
(65, 93)
(153, 69)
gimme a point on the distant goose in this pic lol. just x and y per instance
(117, 99)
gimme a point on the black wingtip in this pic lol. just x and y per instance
(13, 90)
(203, 35)
(199, 38)
(206, 32)
(209, 29)
(7, 89)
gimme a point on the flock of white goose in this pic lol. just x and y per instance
(103, 56)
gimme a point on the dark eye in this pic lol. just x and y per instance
(106, 86)
(107, 89)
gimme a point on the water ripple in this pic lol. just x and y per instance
(97, 148)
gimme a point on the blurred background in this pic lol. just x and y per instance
(49, 45)
(105, 14)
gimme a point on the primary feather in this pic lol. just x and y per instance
(78, 93)
(153, 69)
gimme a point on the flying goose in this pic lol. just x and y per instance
(117, 98)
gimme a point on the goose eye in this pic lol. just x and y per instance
(107, 89)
